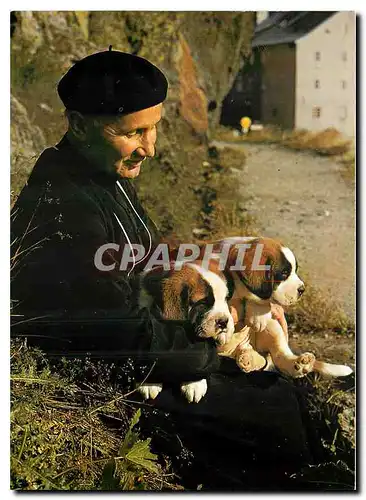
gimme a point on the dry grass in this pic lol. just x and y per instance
(317, 313)
(329, 142)
(331, 407)
(21, 167)
(269, 134)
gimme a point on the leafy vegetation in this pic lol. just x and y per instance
(59, 436)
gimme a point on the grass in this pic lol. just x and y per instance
(21, 167)
(330, 406)
(59, 436)
(317, 313)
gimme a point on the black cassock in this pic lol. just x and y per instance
(247, 423)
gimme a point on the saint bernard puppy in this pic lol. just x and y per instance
(191, 293)
(260, 272)
(265, 273)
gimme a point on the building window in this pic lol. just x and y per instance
(344, 84)
(274, 112)
(316, 111)
(317, 56)
(342, 113)
(344, 56)
(317, 84)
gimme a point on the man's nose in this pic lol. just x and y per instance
(148, 145)
(301, 290)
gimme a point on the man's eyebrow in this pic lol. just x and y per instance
(123, 129)
(146, 125)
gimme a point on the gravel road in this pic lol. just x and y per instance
(303, 200)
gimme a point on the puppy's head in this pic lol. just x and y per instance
(267, 269)
(195, 294)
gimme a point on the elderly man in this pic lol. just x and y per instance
(80, 197)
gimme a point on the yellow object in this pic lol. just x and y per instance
(245, 123)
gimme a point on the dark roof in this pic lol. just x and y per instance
(286, 27)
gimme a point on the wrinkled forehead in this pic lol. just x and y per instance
(145, 118)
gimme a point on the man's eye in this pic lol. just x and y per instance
(132, 133)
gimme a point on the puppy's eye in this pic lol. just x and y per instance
(202, 302)
(281, 275)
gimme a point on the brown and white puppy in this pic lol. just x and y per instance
(194, 294)
(263, 271)
(255, 288)
(260, 271)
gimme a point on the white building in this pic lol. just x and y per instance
(308, 70)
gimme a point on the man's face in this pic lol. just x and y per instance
(124, 143)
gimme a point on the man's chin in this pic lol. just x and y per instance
(130, 173)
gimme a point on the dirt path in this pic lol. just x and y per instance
(303, 200)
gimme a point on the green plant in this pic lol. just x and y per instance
(60, 438)
(125, 471)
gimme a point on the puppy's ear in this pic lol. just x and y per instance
(266, 289)
(259, 281)
(152, 282)
(176, 295)
(229, 283)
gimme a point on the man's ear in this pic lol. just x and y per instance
(77, 124)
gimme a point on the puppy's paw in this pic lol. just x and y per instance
(302, 365)
(250, 360)
(194, 391)
(150, 391)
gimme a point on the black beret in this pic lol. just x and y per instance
(112, 82)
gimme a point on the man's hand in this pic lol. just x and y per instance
(279, 314)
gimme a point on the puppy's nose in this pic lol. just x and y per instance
(301, 290)
(222, 322)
